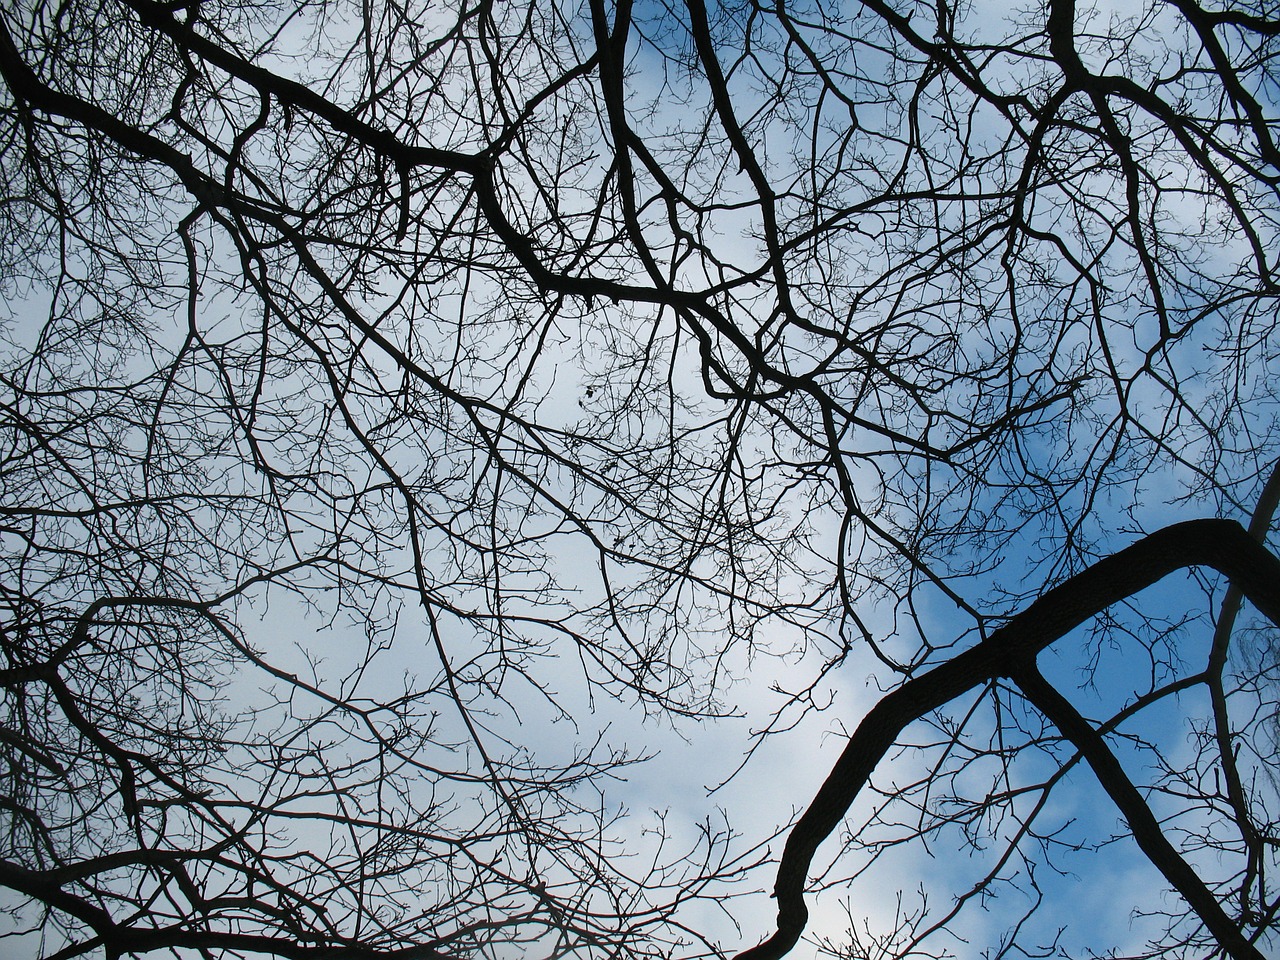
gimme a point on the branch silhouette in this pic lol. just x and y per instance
(1010, 651)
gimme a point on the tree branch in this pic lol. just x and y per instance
(1223, 545)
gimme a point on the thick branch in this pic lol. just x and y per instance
(1221, 544)
(1142, 822)
(118, 938)
(1259, 524)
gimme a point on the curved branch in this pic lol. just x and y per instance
(1259, 524)
(1223, 545)
(122, 938)
(1142, 822)
(119, 938)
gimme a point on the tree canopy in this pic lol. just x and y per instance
(415, 418)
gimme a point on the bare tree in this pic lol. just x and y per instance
(598, 357)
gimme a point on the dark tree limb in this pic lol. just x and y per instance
(1142, 822)
(120, 938)
(1223, 545)
(1259, 524)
